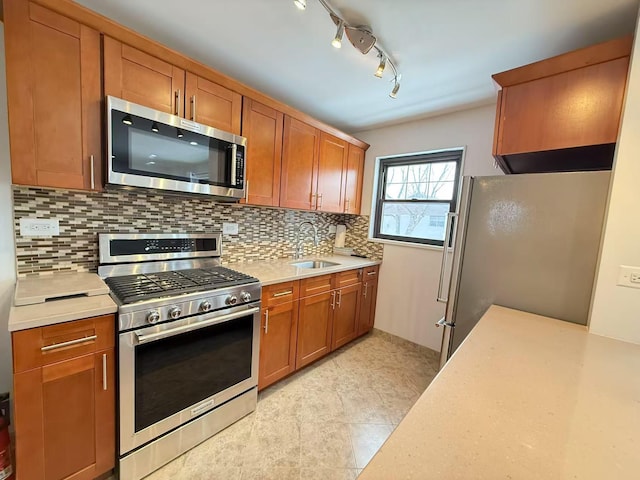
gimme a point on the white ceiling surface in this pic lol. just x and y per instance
(446, 50)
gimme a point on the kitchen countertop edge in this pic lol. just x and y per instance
(271, 272)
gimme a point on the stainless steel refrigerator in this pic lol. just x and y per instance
(528, 242)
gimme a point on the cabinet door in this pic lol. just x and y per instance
(262, 126)
(278, 343)
(332, 166)
(65, 418)
(212, 104)
(572, 109)
(54, 98)
(314, 328)
(345, 315)
(353, 180)
(141, 78)
(367, 306)
(299, 165)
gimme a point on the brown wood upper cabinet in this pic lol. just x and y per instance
(353, 180)
(54, 98)
(64, 388)
(313, 168)
(212, 104)
(141, 78)
(262, 126)
(562, 113)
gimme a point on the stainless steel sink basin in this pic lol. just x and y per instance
(313, 264)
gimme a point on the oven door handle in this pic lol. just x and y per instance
(151, 337)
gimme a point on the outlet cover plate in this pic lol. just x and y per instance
(39, 227)
(230, 228)
(629, 276)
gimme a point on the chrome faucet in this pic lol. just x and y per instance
(298, 252)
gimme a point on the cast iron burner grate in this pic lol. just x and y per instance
(136, 288)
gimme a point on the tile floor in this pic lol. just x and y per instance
(325, 422)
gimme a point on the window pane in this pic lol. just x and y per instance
(423, 181)
(414, 220)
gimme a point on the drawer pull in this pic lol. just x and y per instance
(282, 294)
(371, 273)
(55, 346)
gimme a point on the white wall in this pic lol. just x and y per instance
(409, 276)
(616, 310)
(7, 251)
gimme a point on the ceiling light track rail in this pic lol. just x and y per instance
(363, 39)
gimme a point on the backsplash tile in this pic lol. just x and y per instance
(264, 233)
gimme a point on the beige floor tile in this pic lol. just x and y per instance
(367, 440)
(273, 444)
(363, 405)
(272, 473)
(326, 445)
(328, 474)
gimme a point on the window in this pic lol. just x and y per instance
(414, 195)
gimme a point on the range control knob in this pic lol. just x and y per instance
(231, 300)
(153, 316)
(205, 306)
(246, 296)
(174, 312)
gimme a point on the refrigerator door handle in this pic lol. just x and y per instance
(445, 255)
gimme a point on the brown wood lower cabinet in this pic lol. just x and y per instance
(345, 315)
(65, 406)
(314, 327)
(368, 300)
(278, 342)
(302, 321)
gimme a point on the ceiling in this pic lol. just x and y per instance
(446, 50)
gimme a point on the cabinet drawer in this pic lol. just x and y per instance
(370, 273)
(36, 347)
(315, 285)
(350, 277)
(280, 293)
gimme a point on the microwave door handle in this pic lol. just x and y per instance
(234, 164)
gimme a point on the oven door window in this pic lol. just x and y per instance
(177, 372)
(152, 149)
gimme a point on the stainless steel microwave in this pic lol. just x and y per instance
(152, 149)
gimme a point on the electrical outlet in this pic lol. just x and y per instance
(230, 228)
(39, 227)
(629, 276)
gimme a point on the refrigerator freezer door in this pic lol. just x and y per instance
(531, 243)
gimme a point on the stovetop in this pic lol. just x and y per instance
(136, 288)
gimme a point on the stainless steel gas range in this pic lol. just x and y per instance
(188, 343)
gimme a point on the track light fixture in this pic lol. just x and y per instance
(337, 40)
(383, 63)
(127, 120)
(179, 133)
(396, 87)
(362, 38)
(154, 127)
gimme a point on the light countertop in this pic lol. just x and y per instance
(40, 301)
(277, 271)
(524, 397)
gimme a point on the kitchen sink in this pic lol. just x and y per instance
(313, 264)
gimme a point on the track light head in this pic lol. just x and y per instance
(127, 120)
(301, 4)
(337, 41)
(381, 66)
(179, 133)
(154, 127)
(396, 87)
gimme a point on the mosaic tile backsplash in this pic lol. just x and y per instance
(263, 233)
